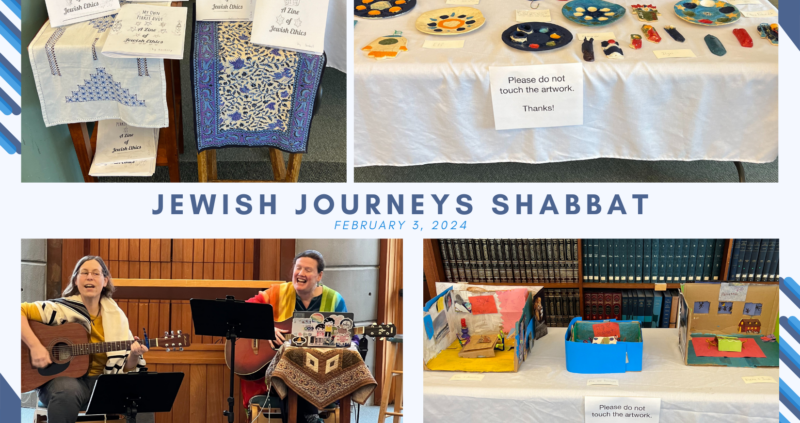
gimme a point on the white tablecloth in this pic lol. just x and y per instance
(543, 390)
(434, 106)
(336, 34)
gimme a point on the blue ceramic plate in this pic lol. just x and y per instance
(381, 9)
(537, 34)
(592, 12)
(707, 12)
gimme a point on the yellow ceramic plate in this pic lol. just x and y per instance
(450, 21)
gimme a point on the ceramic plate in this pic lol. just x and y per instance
(380, 9)
(537, 37)
(707, 12)
(450, 21)
(592, 12)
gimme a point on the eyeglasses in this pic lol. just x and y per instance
(95, 274)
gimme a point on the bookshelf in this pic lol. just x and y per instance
(433, 268)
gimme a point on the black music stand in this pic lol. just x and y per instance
(232, 319)
(132, 393)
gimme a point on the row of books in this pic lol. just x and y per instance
(754, 260)
(653, 309)
(510, 260)
(652, 260)
(562, 305)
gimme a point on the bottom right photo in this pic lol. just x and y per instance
(601, 330)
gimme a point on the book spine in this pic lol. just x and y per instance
(735, 257)
(708, 264)
(670, 260)
(639, 261)
(616, 305)
(615, 242)
(640, 304)
(692, 260)
(468, 265)
(719, 245)
(676, 261)
(539, 262)
(623, 261)
(625, 305)
(747, 250)
(445, 260)
(584, 249)
(654, 265)
(646, 259)
(602, 268)
(673, 315)
(575, 263)
(701, 259)
(662, 259)
(648, 310)
(773, 271)
(631, 248)
(667, 309)
(657, 300)
(494, 263)
(687, 247)
(762, 257)
(512, 246)
(587, 306)
(751, 272)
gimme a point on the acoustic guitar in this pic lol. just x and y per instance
(69, 349)
(253, 356)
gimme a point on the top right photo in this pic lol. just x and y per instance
(566, 91)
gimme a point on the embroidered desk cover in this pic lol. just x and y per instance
(251, 96)
(76, 83)
(322, 375)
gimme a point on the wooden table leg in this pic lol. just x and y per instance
(278, 167)
(207, 165)
(387, 384)
(344, 409)
(291, 407)
(168, 135)
(176, 83)
(83, 148)
(398, 386)
(293, 172)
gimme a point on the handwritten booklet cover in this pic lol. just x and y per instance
(224, 10)
(145, 31)
(297, 25)
(67, 12)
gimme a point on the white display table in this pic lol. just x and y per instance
(434, 105)
(543, 390)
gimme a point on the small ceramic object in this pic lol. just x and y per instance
(588, 49)
(592, 12)
(651, 34)
(677, 36)
(379, 9)
(450, 21)
(526, 28)
(769, 32)
(544, 30)
(518, 37)
(612, 50)
(715, 45)
(636, 41)
(645, 12)
(707, 12)
(744, 38)
(387, 47)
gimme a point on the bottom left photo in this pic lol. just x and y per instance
(211, 330)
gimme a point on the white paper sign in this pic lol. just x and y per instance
(467, 377)
(611, 382)
(597, 36)
(533, 15)
(297, 25)
(67, 12)
(759, 13)
(731, 292)
(224, 10)
(538, 96)
(738, 2)
(673, 54)
(622, 410)
(463, 1)
(758, 379)
(443, 44)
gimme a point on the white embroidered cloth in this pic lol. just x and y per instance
(76, 83)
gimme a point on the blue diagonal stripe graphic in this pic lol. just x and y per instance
(792, 325)
(10, 74)
(9, 142)
(783, 419)
(11, 33)
(789, 399)
(791, 289)
(15, 6)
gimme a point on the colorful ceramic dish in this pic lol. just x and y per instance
(380, 9)
(450, 21)
(707, 12)
(592, 12)
(536, 36)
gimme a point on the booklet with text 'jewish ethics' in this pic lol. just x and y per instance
(297, 25)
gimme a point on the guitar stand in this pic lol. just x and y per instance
(232, 319)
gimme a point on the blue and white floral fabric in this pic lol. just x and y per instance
(251, 96)
(77, 83)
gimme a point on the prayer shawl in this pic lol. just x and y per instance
(115, 325)
(248, 95)
(77, 83)
(282, 298)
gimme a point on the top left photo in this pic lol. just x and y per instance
(179, 91)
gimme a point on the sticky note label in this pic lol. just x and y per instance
(597, 36)
(760, 13)
(531, 15)
(443, 44)
(467, 377)
(758, 379)
(661, 287)
(731, 292)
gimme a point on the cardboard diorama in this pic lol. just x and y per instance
(729, 325)
(481, 328)
(607, 346)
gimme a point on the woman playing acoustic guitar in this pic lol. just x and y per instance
(87, 301)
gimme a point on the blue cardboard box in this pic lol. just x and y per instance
(597, 359)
